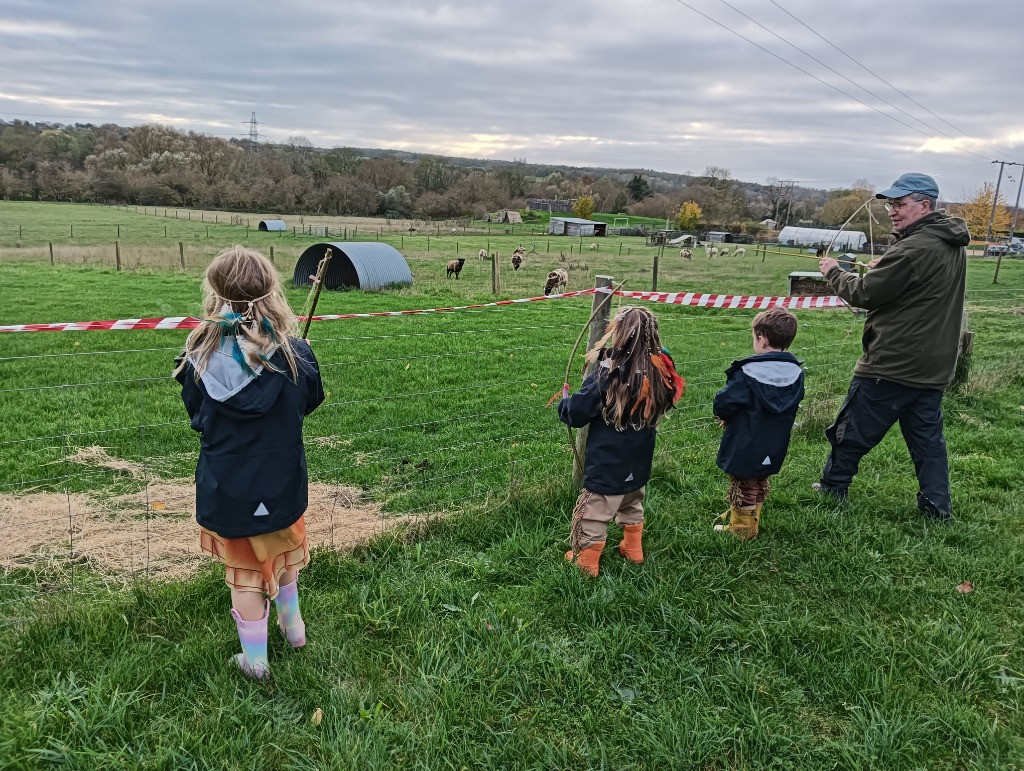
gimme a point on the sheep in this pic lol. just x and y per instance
(686, 254)
(482, 254)
(454, 231)
(558, 278)
(593, 247)
(821, 251)
(455, 266)
(740, 252)
(517, 260)
(713, 252)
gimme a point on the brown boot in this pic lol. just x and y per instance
(629, 546)
(588, 559)
(743, 521)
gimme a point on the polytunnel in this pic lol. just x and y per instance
(272, 225)
(357, 264)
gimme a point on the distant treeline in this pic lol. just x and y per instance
(155, 165)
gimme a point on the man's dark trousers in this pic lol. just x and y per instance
(871, 408)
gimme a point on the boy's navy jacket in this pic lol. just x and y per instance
(251, 476)
(758, 404)
(617, 462)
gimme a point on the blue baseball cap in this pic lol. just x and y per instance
(911, 182)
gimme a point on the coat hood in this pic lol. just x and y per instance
(775, 379)
(233, 387)
(952, 230)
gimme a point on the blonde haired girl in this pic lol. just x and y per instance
(247, 383)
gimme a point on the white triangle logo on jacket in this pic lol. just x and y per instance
(629, 478)
(767, 461)
(261, 511)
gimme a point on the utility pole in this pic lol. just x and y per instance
(254, 143)
(995, 199)
(1013, 226)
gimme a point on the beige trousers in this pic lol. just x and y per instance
(594, 511)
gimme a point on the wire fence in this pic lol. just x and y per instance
(426, 416)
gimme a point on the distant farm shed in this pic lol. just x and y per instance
(273, 225)
(509, 217)
(845, 239)
(574, 226)
(356, 264)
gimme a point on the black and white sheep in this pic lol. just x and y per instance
(557, 279)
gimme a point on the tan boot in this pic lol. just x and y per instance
(742, 522)
(630, 546)
(587, 559)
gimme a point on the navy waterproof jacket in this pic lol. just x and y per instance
(617, 462)
(758, 404)
(251, 477)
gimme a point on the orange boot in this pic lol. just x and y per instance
(588, 559)
(629, 546)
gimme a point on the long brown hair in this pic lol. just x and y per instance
(640, 385)
(242, 296)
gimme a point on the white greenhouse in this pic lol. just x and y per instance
(847, 239)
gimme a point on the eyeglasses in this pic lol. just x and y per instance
(897, 205)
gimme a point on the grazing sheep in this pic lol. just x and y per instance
(686, 254)
(455, 266)
(593, 247)
(483, 254)
(713, 252)
(740, 252)
(558, 278)
(455, 230)
(517, 260)
(724, 251)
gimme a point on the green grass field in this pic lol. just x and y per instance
(838, 639)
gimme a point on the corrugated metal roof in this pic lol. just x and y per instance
(577, 221)
(272, 225)
(359, 264)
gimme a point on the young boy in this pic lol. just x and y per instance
(757, 409)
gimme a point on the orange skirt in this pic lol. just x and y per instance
(255, 564)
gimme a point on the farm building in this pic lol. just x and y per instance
(720, 237)
(845, 239)
(273, 225)
(509, 217)
(574, 226)
(358, 264)
(551, 204)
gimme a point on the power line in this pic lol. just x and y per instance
(836, 72)
(875, 74)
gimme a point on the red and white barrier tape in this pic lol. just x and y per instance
(189, 322)
(693, 299)
(704, 300)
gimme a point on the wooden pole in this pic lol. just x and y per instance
(318, 283)
(601, 311)
(181, 254)
(117, 254)
(654, 270)
(272, 256)
(495, 274)
(51, 252)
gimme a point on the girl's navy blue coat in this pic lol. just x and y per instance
(617, 462)
(758, 404)
(251, 477)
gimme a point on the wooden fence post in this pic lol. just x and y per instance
(181, 254)
(117, 254)
(272, 256)
(495, 274)
(654, 272)
(601, 308)
(51, 253)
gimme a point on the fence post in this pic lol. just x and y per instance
(428, 243)
(207, 231)
(51, 252)
(117, 254)
(601, 309)
(654, 271)
(495, 274)
(620, 248)
(72, 231)
(962, 371)
(181, 254)
(272, 256)
(119, 231)
(165, 231)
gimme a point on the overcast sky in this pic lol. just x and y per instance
(656, 84)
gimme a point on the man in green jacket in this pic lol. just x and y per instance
(914, 296)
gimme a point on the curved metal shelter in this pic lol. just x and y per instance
(273, 225)
(358, 264)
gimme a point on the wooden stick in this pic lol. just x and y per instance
(314, 293)
(810, 257)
